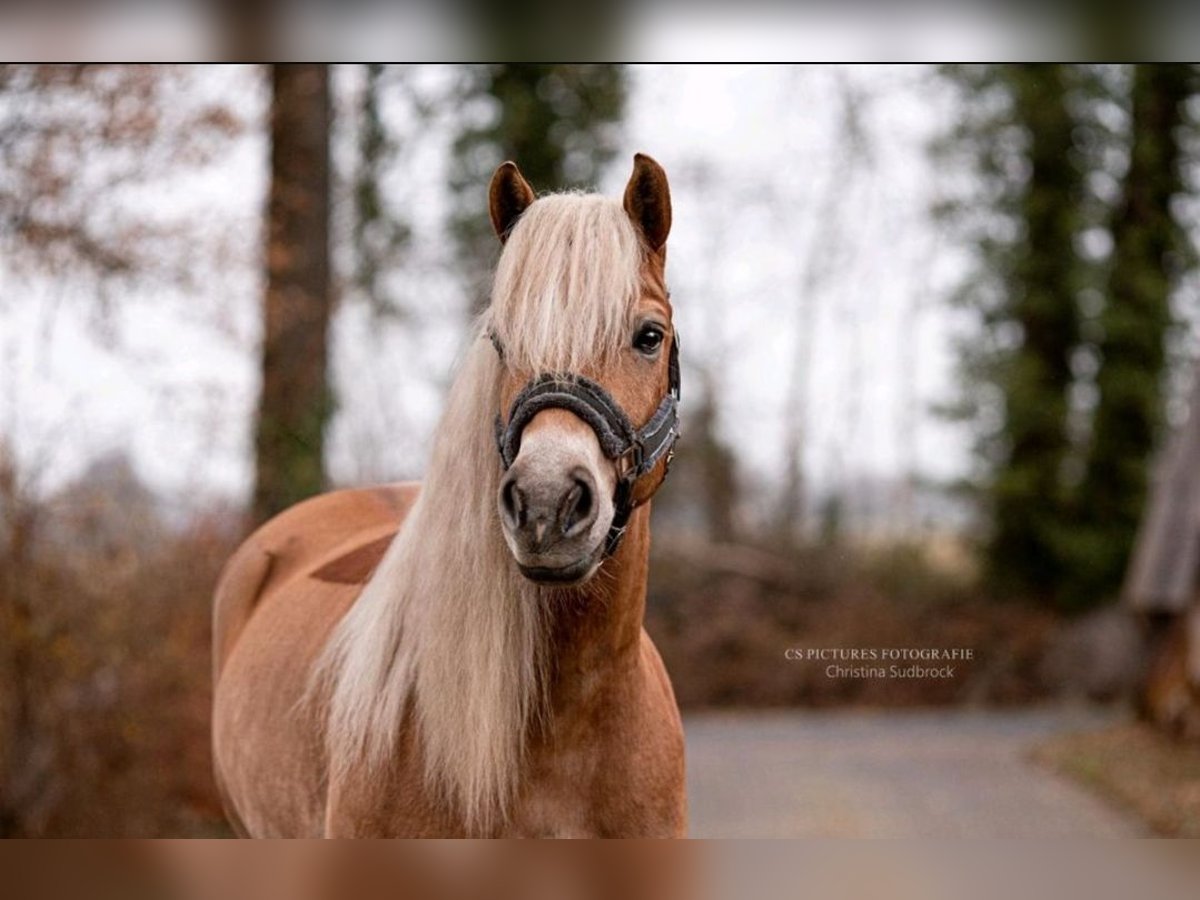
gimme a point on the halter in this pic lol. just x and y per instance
(636, 451)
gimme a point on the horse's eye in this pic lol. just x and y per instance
(648, 339)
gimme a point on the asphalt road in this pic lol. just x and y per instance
(888, 774)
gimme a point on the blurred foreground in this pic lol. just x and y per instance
(930, 870)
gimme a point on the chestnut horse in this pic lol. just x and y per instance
(466, 657)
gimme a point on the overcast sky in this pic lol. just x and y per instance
(788, 239)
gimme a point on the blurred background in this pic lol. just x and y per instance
(940, 326)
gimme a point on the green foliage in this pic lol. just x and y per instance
(559, 123)
(1149, 251)
(1061, 475)
(1022, 222)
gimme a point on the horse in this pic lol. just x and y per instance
(465, 657)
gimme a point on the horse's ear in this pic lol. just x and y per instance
(509, 195)
(648, 201)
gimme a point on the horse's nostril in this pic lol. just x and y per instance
(577, 507)
(513, 503)
(584, 506)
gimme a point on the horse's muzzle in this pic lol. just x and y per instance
(555, 501)
(550, 518)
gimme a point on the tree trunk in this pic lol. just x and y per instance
(295, 402)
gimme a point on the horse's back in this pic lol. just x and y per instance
(277, 600)
(335, 537)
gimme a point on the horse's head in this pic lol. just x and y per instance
(581, 318)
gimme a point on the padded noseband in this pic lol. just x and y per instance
(636, 450)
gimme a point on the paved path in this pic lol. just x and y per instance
(888, 774)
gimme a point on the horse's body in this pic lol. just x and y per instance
(382, 669)
(598, 770)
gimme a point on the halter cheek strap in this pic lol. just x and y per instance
(635, 450)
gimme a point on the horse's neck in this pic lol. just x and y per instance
(598, 631)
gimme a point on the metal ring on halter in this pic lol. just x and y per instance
(636, 451)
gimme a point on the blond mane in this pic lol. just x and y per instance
(447, 628)
(567, 284)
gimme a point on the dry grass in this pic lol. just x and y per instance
(1138, 767)
(104, 717)
(723, 616)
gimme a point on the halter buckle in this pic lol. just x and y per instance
(629, 463)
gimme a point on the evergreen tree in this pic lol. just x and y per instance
(1028, 498)
(1019, 135)
(557, 122)
(1149, 248)
(1064, 479)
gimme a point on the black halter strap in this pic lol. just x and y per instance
(636, 451)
